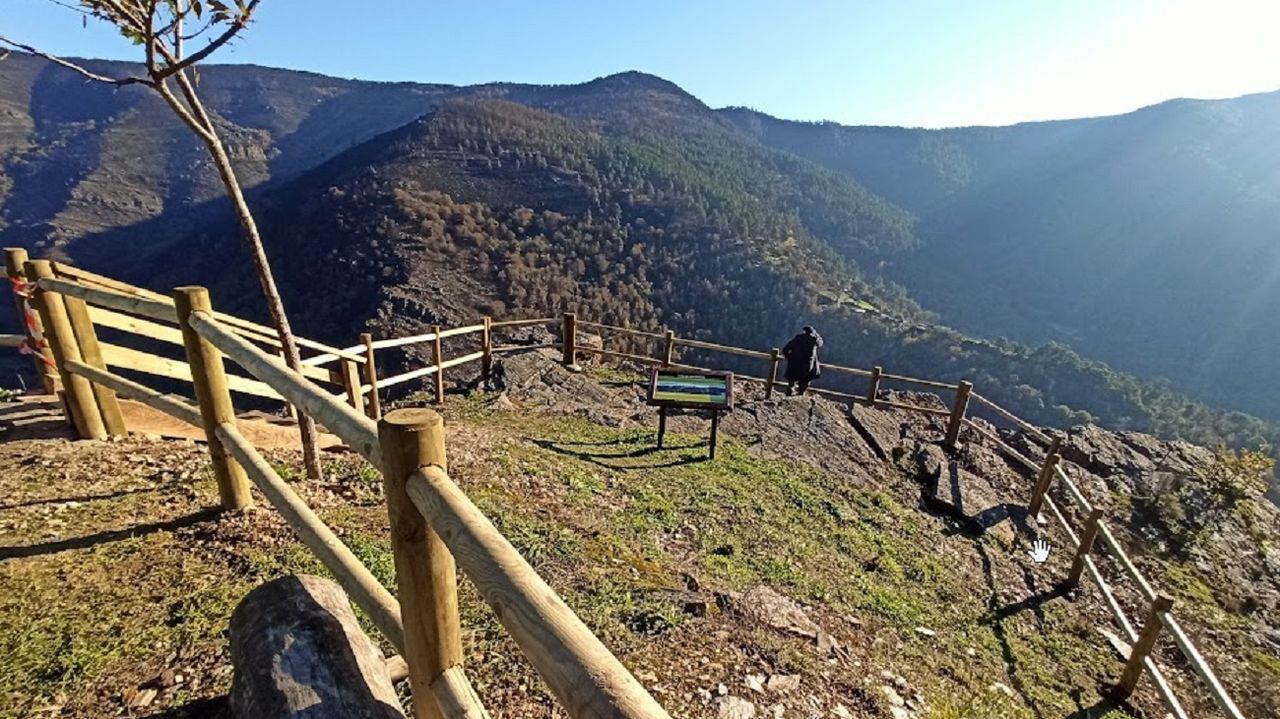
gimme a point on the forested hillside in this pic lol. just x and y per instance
(1145, 240)
(624, 199)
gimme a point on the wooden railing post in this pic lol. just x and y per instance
(91, 353)
(1142, 648)
(15, 259)
(873, 389)
(668, 347)
(426, 578)
(773, 372)
(437, 359)
(210, 380)
(957, 413)
(1087, 538)
(1045, 478)
(569, 337)
(62, 342)
(351, 383)
(486, 346)
(371, 376)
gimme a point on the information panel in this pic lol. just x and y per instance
(691, 389)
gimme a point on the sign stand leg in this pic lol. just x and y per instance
(715, 431)
(662, 425)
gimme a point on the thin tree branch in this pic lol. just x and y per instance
(239, 23)
(205, 133)
(119, 81)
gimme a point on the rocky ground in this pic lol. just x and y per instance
(820, 566)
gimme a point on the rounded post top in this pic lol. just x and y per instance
(412, 418)
(14, 259)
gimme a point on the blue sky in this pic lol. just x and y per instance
(902, 62)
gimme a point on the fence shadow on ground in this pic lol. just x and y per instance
(619, 459)
(115, 535)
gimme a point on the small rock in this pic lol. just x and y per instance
(892, 696)
(842, 711)
(755, 682)
(826, 642)
(142, 698)
(922, 631)
(735, 708)
(721, 689)
(778, 710)
(1002, 688)
(783, 682)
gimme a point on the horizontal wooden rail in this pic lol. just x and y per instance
(513, 324)
(518, 348)
(839, 369)
(623, 330)
(464, 330)
(1122, 558)
(412, 374)
(722, 348)
(916, 380)
(644, 359)
(364, 588)
(138, 361)
(588, 680)
(1201, 667)
(327, 357)
(178, 407)
(912, 407)
(472, 357)
(390, 342)
(1000, 445)
(12, 340)
(1073, 490)
(1021, 423)
(131, 304)
(356, 430)
(136, 325)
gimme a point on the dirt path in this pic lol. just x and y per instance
(41, 417)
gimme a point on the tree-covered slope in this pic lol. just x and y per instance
(1146, 240)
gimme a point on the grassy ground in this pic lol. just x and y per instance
(117, 605)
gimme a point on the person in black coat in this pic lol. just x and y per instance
(802, 360)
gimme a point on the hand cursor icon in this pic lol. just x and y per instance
(1039, 551)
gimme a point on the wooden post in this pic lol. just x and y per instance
(873, 389)
(1045, 478)
(668, 348)
(351, 383)
(715, 433)
(210, 380)
(437, 359)
(426, 578)
(15, 259)
(569, 337)
(1142, 648)
(957, 413)
(773, 372)
(62, 342)
(1087, 538)
(91, 353)
(662, 425)
(486, 346)
(371, 376)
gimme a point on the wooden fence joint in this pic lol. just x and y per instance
(212, 395)
(426, 577)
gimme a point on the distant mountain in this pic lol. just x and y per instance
(399, 206)
(1147, 240)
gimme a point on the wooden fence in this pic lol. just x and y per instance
(435, 527)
